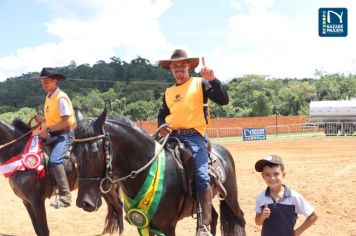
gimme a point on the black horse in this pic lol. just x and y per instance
(132, 149)
(34, 191)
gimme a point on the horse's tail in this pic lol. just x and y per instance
(230, 224)
(232, 220)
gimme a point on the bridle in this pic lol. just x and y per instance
(108, 161)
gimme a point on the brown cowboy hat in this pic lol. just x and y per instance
(52, 73)
(180, 55)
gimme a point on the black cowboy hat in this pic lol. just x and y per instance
(52, 73)
(180, 55)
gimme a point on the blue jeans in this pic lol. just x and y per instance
(197, 145)
(60, 147)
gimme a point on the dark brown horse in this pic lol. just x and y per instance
(34, 191)
(131, 149)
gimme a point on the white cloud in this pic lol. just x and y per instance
(263, 37)
(265, 41)
(91, 31)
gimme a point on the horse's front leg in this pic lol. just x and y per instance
(38, 217)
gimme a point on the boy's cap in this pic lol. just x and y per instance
(273, 159)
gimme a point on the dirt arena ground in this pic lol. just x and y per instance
(322, 169)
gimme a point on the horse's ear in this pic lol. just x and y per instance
(5, 129)
(99, 122)
(20, 126)
(78, 114)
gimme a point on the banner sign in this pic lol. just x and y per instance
(250, 134)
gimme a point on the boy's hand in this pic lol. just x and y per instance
(261, 217)
(266, 212)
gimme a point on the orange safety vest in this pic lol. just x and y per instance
(186, 106)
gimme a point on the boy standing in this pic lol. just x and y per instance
(277, 206)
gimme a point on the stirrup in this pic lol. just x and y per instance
(203, 231)
(58, 204)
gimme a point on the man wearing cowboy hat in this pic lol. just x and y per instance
(185, 110)
(57, 124)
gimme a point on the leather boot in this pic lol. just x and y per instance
(205, 198)
(65, 198)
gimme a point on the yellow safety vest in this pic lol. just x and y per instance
(52, 111)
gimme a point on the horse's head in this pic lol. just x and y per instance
(102, 158)
(89, 152)
(9, 133)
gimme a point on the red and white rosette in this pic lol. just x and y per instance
(30, 159)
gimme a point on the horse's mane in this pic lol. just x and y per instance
(120, 120)
(85, 127)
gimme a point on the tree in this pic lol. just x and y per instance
(24, 114)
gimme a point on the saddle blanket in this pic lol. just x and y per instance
(30, 159)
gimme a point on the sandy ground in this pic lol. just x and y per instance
(322, 169)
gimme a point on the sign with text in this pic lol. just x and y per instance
(332, 22)
(250, 134)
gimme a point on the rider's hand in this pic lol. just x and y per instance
(165, 130)
(43, 133)
(39, 119)
(206, 72)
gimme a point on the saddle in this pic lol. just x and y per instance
(186, 168)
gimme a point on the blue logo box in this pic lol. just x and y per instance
(332, 22)
(254, 134)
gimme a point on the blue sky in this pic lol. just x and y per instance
(278, 38)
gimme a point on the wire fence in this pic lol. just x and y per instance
(288, 131)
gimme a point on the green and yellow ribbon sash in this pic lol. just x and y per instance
(141, 209)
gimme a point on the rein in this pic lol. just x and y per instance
(108, 161)
(19, 138)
